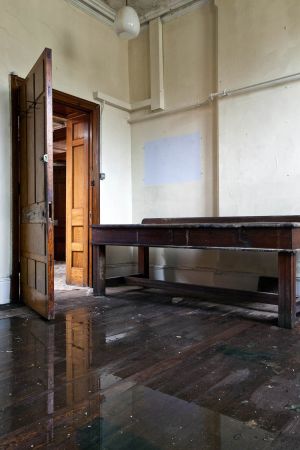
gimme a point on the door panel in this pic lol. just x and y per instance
(36, 188)
(77, 205)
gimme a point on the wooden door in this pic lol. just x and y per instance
(36, 188)
(77, 202)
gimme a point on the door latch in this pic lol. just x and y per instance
(44, 158)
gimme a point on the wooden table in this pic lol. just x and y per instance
(280, 234)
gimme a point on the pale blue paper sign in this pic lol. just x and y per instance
(172, 160)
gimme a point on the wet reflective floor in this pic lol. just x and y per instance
(134, 371)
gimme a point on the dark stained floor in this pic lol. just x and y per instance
(139, 371)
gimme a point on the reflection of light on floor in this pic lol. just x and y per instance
(108, 379)
(136, 416)
(115, 337)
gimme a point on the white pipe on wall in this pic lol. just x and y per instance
(102, 105)
(170, 112)
(255, 86)
(143, 104)
(221, 94)
(120, 104)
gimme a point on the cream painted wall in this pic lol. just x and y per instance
(249, 151)
(189, 77)
(259, 134)
(116, 190)
(87, 56)
(139, 66)
(189, 56)
(174, 199)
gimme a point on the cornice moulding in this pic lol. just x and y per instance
(96, 8)
(178, 8)
(106, 14)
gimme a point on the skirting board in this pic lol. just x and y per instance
(120, 270)
(4, 291)
(210, 277)
(206, 277)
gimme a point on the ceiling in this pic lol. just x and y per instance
(147, 10)
(144, 7)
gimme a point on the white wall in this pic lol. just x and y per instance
(259, 134)
(116, 190)
(189, 76)
(87, 56)
(250, 147)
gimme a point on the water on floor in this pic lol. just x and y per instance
(134, 371)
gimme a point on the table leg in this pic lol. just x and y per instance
(286, 289)
(99, 269)
(143, 261)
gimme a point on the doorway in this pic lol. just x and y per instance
(71, 201)
(59, 198)
(76, 188)
(35, 108)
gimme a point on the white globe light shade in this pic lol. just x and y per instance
(127, 24)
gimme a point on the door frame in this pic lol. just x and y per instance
(93, 111)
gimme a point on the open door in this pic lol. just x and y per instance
(77, 203)
(36, 188)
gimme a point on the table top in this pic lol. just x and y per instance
(287, 221)
(272, 234)
(202, 225)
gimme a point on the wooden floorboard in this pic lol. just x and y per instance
(136, 370)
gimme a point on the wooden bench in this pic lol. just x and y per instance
(280, 234)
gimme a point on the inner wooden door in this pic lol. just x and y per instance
(77, 201)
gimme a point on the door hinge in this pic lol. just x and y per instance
(92, 183)
(44, 158)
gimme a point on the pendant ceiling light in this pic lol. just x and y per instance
(127, 23)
